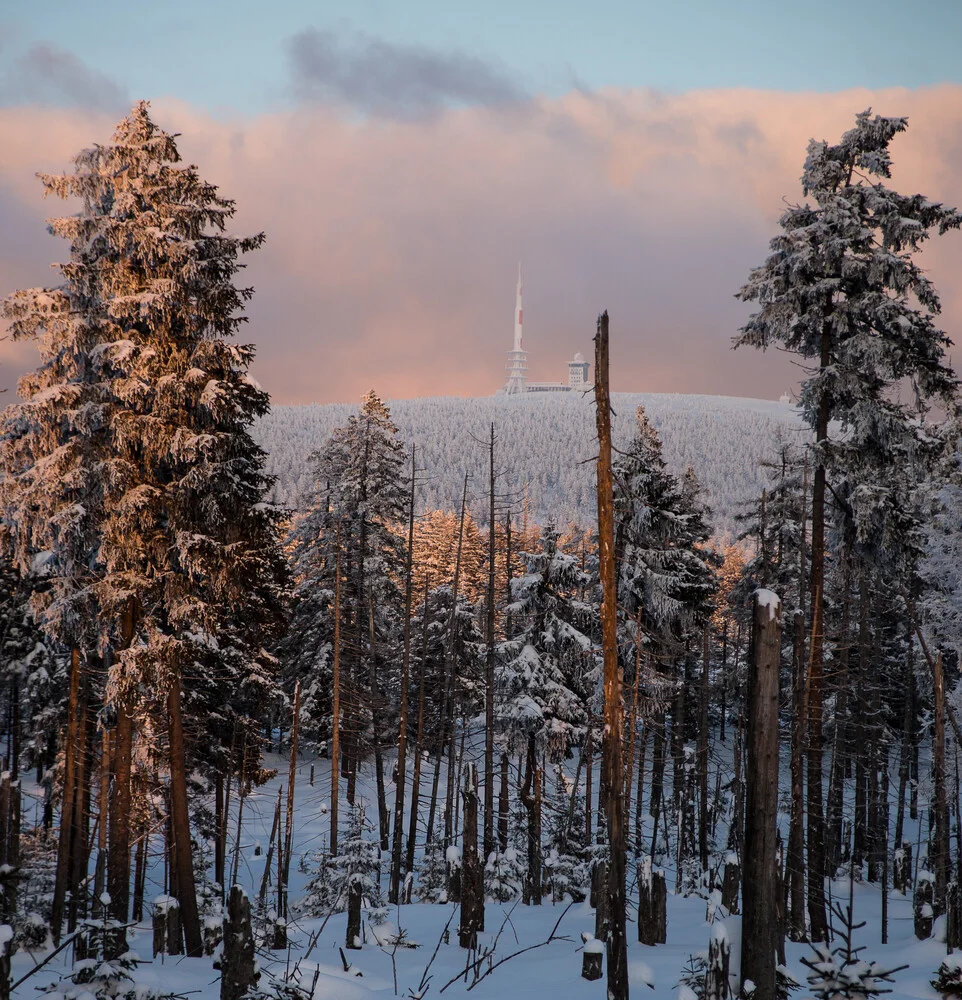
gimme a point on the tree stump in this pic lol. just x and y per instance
(953, 916)
(717, 983)
(592, 959)
(652, 905)
(352, 938)
(731, 881)
(238, 967)
(6, 950)
(168, 929)
(923, 905)
(213, 931)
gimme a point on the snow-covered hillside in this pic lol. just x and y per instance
(546, 441)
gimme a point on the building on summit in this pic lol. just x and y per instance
(517, 366)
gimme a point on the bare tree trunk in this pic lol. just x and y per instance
(451, 677)
(118, 864)
(531, 799)
(419, 737)
(816, 818)
(702, 763)
(336, 695)
(284, 879)
(940, 847)
(394, 886)
(795, 857)
(489, 667)
(760, 880)
(69, 797)
(77, 909)
(617, 944)
(472, 883)
(181, 859)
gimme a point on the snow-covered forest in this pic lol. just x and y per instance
(477, 694)
(546, 439)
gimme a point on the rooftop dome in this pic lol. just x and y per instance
(579, 358)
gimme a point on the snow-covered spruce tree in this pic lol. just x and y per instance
(131, 462)
(358, 505)
(356, 867)
(841, 289)
(666, 582)
(660, 526)
(547, 673)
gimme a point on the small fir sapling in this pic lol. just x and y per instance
(96, 977)
(358, 862)
(567, 864)
(432, 873)
(838, 973)
(503, 876)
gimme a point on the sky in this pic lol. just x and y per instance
(402, 157)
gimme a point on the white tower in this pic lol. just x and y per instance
(517, 366)
(578, 372)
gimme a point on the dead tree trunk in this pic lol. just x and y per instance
(336, 694)
(795, 859)
(239, 970)
(489, 667)
(472, 882)
(817, 914)
(181, 855)
(451, 677)
(940, 828)
(617, 944)
(419, 737)
(760, 882)
(531, 800)
(702, 762)
(394, 885)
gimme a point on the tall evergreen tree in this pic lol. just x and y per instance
(841, 289)
(131, 461)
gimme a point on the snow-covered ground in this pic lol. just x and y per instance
(550, 971)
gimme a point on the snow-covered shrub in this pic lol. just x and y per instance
(569, 876)
(432, 872)
(358, 862)
(95, 977)
(948, 980)
(503, 876)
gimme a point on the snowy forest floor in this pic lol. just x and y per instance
(551, 970)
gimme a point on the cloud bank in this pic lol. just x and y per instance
(393, 244)
(47, 74)
(389, 80)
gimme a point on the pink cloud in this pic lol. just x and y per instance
(392, 245)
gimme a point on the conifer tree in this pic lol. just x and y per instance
(358, 507)
(130, 460)
(841, 289)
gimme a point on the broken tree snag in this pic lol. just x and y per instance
(760, 882)
(352, 939)
(592, 959)
(652, 904)
(612, 768)
(472, 885)
(238, 969)
(168, 929)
